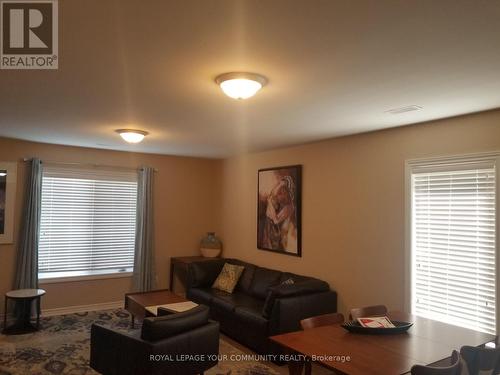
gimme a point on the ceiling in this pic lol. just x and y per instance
(334, 68)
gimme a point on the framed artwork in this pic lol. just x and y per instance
(8, 179)
(279, 210)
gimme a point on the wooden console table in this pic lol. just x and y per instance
(181, 264)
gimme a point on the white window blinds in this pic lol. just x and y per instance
(454, 243)
(87, 221)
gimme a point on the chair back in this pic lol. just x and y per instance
(481, 360)
(363, 312)
(454, 369)
(322, 320)
(162, 327)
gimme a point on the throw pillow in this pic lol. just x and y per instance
(228, 277)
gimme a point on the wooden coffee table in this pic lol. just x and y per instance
(136, 303)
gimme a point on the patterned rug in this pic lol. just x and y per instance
(62, 346)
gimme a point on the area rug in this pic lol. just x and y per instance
(62, 347)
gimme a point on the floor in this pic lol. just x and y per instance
(62, 347)
(282, 370)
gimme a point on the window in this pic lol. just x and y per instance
(87, 222)
(453, 241)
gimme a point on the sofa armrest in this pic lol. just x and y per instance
(117, 353)
(287, 312)
(203, 274)
(309, 286)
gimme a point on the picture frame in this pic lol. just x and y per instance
(8, 182)
(279, 210)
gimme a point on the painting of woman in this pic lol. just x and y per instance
(279, 210)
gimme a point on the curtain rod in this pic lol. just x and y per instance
(87, 164)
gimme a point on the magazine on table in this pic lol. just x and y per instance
(376, 322)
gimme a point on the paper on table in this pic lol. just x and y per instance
(173, 307)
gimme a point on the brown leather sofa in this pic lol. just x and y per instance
(261, 305)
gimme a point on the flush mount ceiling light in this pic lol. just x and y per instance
(132, 135)
(240, 85)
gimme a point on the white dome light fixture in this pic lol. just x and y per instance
(132, 135)
(240, 85)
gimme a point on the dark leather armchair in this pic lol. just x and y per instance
(184, 343)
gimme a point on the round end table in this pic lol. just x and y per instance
(23, 299)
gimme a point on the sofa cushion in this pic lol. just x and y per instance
(252, 319)
(229, 302)
(202, 274)
(284, 290)
(222, 301)
(200, 295)
(154, 329)
(252, 327)
(263, 279)
(228, 277)
(245, 283)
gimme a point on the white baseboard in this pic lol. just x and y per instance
(82, 308)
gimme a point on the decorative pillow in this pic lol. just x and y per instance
(228, 277)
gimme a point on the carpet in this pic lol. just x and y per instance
(62, 347)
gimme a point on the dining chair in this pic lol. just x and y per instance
(319, 321)
(322, 320)
(363, 312)
(481, 360)
(454, 369)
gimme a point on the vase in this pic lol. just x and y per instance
(210, 245)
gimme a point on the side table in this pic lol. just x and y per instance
(23, 299)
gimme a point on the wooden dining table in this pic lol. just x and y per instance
(427, 342)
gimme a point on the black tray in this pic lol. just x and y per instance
(355, 327)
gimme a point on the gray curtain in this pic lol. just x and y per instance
(27, 254)
(144, 274)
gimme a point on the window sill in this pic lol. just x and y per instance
(69, 279)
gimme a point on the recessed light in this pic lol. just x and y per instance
(408, 108)
(240, 85)
(132, 135)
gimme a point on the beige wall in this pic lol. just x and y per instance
(187, 201)
(352, 204)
